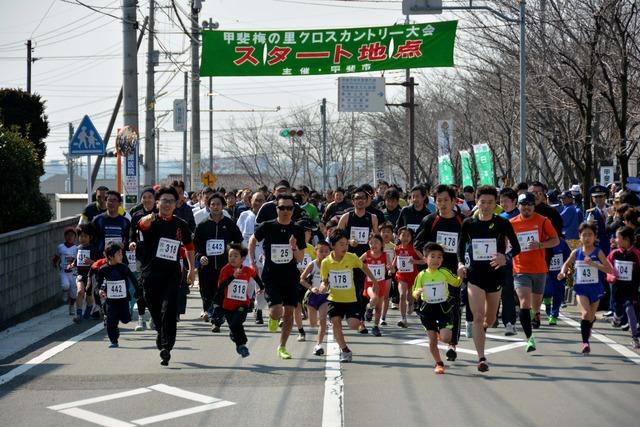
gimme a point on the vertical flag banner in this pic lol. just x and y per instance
(322, 51)
(467, 173)
(445, 170)
(484, 163)
(445, 137)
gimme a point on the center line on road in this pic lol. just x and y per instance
(333, 407)
(629, 354)
(49, 354)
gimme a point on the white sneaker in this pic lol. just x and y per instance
(345, 356)
(469, 329)
(510, 330)
(140, 326)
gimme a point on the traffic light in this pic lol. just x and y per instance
(292, 132)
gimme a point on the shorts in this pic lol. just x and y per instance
(344, 309)
(277, 294)
(592, 291)
(382, 288)
(436, 316)
(407, 278)
(489, 281)
(316, 300)
(68, 283)
(534, 281)
(624, 292)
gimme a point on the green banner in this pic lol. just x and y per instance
(467, 174)
(484, 163)
(445, 170)
(309, 52)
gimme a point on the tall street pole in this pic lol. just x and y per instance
(523, 111)
(323, 112)
(150, 120)
(29, 61)
(130, 67)
(195, 95)
(210, 115)
(184, 133)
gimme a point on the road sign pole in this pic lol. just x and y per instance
(89, 185)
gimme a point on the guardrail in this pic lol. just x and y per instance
(29, 285)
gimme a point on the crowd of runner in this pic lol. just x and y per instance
(292, 255)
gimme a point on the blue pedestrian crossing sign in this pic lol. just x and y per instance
(86, 141)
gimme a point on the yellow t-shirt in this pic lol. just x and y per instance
(390, 250)
(434, 285)
(339, 276)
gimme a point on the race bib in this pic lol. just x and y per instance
(556, 262)
(108, 240)
(413, 227)
(525, 237)
(281, 254)
(448, 240)
(83, 256)
(360, 235)
(116, 289)
(624, 269)
(305, 261)
(377, 270)
(483, 249)
(585, 274)
(435, 293)
(341, 279)
(131, 257)
(404, 264)
(215, 247)
(168, 249)
(237, 290)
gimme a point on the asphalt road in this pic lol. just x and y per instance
(390, 381)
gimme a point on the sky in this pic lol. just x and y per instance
(78, 69)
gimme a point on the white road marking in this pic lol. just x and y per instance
(178, 392)
(94, 418)
(514, 343)
(182, 412)
(626, 352)
(100, 399)
(48, 354)
(333, 407)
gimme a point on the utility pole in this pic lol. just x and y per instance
(523, 108)
(149, 137)
(157, 134)
(210, 114)
(184, 133)
(195, 94)
(323, 112)
(29, 61)
(130, 70)
(70, 160)
(409, 117)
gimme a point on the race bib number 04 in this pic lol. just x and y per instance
(116, 289)
(215, 247)
(341, 279)
(624, 269)
(281, 254)
(168, 249)
(483, 249)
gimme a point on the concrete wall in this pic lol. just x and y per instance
(29, 285)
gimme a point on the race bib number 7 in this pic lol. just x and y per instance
(483, 249)
(435, 293)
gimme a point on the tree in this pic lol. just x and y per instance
(25, 113)
(22, 203)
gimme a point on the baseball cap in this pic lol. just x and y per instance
(566, 195)
(307, 225)
(283, 183)
(598, 190)
(575, 189)
(526, 198)
(69, 230)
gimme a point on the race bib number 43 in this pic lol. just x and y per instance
(585, 274)
(116, 289)
(341, 279)
(483, 249)
(281, 254)
(168, 249)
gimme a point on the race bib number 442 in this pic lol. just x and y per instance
(116, 289)
(215, 247)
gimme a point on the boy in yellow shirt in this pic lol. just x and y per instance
(336, 272)
(435, 309)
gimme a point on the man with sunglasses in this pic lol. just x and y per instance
(163, 233)
(283, 245)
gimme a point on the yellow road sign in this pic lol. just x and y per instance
(208, 179)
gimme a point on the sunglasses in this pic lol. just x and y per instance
(285, 208)
(360, 198)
